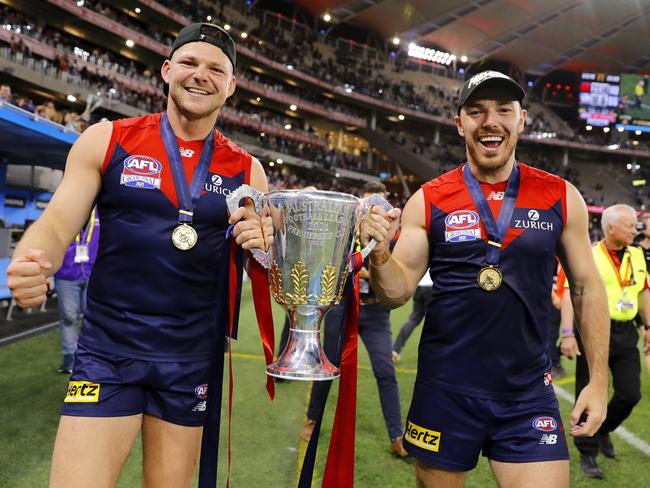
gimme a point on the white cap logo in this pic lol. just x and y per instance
(485, 75)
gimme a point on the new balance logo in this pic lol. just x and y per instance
(186, 153)
(496, 195)
(548, 439)
(200, 406)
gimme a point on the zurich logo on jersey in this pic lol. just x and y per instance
(214, 184)
(462, 226)
(141, 171)
(544, 424)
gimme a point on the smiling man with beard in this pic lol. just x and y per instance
(489, 231)
(150, 354)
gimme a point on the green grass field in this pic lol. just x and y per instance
(265, 435)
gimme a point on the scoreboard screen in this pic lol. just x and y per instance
(599, 98)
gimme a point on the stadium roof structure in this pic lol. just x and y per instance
(26, 138)
(610, 36)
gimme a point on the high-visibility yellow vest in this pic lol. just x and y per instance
(633, 269)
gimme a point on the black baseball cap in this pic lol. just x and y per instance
(205, 32)
(490, 77)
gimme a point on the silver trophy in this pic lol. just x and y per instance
(308, 264)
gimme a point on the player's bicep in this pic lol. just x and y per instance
(73, 200)
(258, 176)
(412, 248)
(575, 248)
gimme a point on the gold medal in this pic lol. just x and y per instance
(184, 237)
(489, 278)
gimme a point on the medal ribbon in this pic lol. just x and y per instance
(496, 230)
(188, 196)
(622, 282)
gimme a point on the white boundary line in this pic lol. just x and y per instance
(621, 431)
(28, 333)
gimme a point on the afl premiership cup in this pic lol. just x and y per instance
(308, 264)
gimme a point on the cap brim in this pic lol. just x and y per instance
(511, 85)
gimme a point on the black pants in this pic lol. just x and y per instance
(625, 365)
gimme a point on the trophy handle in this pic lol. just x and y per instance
(233, 200)
(372, 200)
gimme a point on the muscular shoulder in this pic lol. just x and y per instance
(540, 176)
(447, 182)
(138, 123)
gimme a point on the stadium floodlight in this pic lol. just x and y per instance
(395, 40)
(209, 18)
(400, 117)
(293, 107)
(226, 27)
(463, 59)
(279, 161)
(130, 43)
(433, 55)
(243, 35)
(327, 17)
(137, 10)
(605, 129)
(588, 127)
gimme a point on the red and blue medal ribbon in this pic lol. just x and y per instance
(339, 467)
(188, 196)
(496, 229)
(263, 312)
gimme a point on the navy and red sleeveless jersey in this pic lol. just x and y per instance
(147, 299)
(480, 343)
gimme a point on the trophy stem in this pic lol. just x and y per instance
(303, 357)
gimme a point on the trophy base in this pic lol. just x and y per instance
(326, 372)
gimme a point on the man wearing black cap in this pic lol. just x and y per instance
(150, 354)
(489, 231)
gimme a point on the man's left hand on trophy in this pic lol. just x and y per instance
(251, 230)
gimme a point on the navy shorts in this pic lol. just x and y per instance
(449, 430)
(109, 385)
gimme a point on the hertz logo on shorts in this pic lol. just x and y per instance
(82, 392)
(421, 437)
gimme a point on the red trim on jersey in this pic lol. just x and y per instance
(112, 144)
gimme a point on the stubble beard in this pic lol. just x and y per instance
(189, 109)
(491, 164)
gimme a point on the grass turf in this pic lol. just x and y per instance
(265, 435)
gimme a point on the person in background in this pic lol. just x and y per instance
(421, 302)
(622, 268)
(71, 285)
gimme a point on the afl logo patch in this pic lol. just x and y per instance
(141, 171)
(461, 226)
(201, 391)
(545, 424)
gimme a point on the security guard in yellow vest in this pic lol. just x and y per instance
(623, 270)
